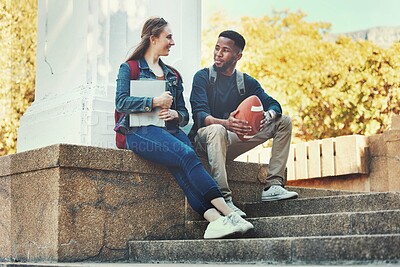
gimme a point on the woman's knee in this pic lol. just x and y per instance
(189, 156)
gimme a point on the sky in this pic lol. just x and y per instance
(344, 15)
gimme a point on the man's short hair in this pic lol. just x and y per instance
(234, 36)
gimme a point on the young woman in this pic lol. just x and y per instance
(170, 146)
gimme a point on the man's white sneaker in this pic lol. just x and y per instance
(235, 209)
(239, 221)
(277, 192)
(221, 227)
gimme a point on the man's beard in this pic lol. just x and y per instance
(224, 66)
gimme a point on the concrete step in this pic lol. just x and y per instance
(113, 264)
(348, 229)
(286, 250)
(329, 204)
(330, 224)
(306, 192)
(243, 189)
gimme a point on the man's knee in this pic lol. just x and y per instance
(215, 131)
(286, 122)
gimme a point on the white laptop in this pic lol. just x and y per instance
(150, 88)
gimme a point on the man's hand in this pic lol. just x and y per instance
(240, 127)
(269, 117)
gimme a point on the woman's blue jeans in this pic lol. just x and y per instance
(174, 150)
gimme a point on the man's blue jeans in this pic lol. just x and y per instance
(174, 150)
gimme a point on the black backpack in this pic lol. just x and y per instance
(212, 77)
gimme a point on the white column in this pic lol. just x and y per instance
(80, 45)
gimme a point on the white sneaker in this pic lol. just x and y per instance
(230, 204)
(221, 227)
(277, 192)
(239, 221)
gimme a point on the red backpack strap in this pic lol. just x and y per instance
(135, 71)
(120, 137)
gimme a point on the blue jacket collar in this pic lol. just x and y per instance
(143, 65)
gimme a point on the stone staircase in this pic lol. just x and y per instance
(321, 227)
(65, 203)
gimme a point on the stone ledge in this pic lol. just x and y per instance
(67, 202)
(80, 203)
(65, 155)
(97, 158)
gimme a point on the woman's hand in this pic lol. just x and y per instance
(168, 114)
(164, 100)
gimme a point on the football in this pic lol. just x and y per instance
(251, 110)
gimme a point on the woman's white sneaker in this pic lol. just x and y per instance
(237, 220)
(234, 208)
(221, 227)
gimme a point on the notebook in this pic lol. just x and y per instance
(150, 88)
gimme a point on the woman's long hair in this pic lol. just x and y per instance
(152, 27)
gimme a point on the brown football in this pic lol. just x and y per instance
(251, 110)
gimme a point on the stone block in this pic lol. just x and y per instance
(122, 207)
(392, 140)
(75, 203)
(378, 175)
(384, 161)
(5, 217)
(34, 211)
(378, 168)
(37, 159)
(376, 145)
(5, 208)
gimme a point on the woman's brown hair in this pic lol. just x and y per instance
(152, 27)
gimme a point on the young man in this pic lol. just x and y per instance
(215, 128)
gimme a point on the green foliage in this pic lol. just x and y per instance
(328, 88)
(17, 61)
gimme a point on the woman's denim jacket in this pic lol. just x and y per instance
(126, 104)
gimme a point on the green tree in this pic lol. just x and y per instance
(329, 88)
(17, 61)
